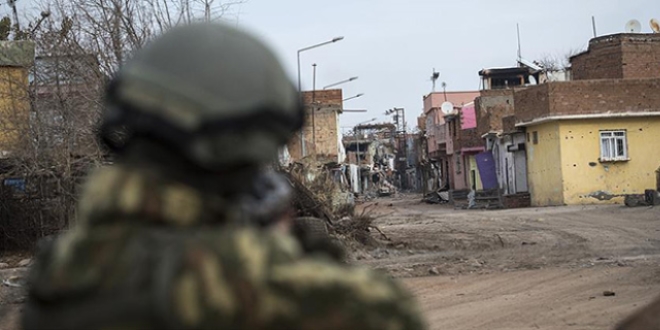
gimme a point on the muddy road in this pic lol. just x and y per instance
(534, 268)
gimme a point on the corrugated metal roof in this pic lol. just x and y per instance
(16, 53)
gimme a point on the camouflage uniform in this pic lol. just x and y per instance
(153, 249)
(144, 256)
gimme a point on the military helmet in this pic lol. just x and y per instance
(216, 94)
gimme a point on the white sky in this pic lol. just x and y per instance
(393, 45)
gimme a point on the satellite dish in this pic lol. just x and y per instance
(633, 26)
(447, 108)
(532, 80)
(655, 25)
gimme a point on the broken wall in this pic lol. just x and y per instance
(321, 129)
(491, 107)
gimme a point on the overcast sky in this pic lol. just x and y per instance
(393, 46)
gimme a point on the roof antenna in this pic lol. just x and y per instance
(519, 51)
(593, 24)
(434, 78)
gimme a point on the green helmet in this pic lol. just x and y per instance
(215, 94)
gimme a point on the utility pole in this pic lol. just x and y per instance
(400, 120)
(314, 109)
(357, 144)
(302, 131)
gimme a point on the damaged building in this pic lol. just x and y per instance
(320, 137)
(371, 152)
(592, 139)
(440, 139)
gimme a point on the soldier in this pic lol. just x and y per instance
(165, 238)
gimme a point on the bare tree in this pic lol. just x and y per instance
(51, 103)
(555, 62)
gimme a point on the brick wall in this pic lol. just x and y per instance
(469, 138)
(586, 97)
(531, 103)
(641, 56)
(325, 96)
(509, 124)
(491, 107)
(619, 56)
(516, 201)
(603, 60)
(321, 126)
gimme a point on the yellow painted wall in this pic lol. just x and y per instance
(544, 170)
(585, 176)
(14, 106)
(472, 166)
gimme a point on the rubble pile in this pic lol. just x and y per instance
(320, 192)
(437, 197)
(357, 228)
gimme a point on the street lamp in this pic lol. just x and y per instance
(44, 15)
(302, 134)
(341, 82)
(312, 47)
(352, 97)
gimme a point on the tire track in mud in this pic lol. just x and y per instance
(466, 241)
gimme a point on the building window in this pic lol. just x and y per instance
(613, 146)
(535, 137)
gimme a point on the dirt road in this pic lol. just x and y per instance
(535, 268)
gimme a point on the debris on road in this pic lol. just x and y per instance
(437, 197)
(13, 282)
(25, 262)
(609, 293)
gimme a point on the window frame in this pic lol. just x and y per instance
(613, 137)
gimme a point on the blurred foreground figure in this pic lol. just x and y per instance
(647, 318)
(185, 231)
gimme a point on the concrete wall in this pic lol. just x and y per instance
(471, 164)
(434, 120)
(468, 117)
(585, 178)
(544, 170)
(457, 175)
(520, 166)
(510, 167)
(435, 99)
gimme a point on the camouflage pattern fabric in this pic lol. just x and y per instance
(147, 254)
